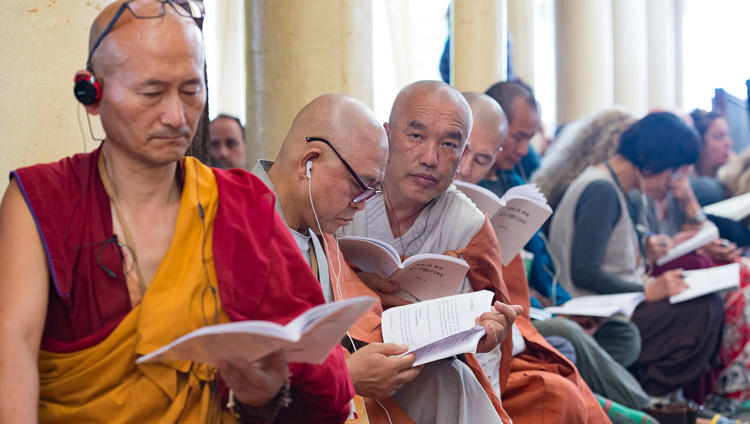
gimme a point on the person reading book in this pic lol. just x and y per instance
(110, 254)
(332, 164)
(603, 374)
(421, 212)
(600, 251)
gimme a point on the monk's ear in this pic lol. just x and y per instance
(387, 127)
(87, 90)
(310, 155)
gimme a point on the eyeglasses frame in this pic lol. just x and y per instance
(364, 193)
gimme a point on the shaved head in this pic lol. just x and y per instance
(486, 112)
(486, 139)
(415, 92)
(354, 132)
(129, 33)
(337, 118)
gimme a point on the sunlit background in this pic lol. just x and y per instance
(715, 51)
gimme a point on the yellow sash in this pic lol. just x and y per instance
(102, 383)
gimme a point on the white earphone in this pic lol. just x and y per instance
(308, 165)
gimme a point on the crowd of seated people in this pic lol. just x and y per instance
(110, 254)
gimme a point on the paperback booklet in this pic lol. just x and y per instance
(603, 305)
(709, 280)
(515, 217)
(736, 208)
(308, 338)
(421, 277)
(708, 232)
(438, 328)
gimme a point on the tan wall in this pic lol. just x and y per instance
(44, 44)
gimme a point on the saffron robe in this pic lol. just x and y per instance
(537, 386)
(96, 335)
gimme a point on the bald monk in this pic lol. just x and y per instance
(331, 162)
(422, 212)
(488, 134)
(109, 255)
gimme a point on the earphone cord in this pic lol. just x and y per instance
(213, 383)
(336, 277)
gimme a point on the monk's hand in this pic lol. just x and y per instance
(376, 373)
(384, 289)
(669, 283)
(497, 323)
(657, 246)
(255, 383)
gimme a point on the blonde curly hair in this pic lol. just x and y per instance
(588, 141)
(735, 176)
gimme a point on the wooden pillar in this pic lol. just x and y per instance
(583, 31)
(296, 51)
(478, 44)
(630, 48)
(521, 28)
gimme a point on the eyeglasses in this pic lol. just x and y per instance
(367, 192)
(148, 9)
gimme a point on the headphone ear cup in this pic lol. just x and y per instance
(87, 90)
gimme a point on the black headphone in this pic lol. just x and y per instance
(87, 89)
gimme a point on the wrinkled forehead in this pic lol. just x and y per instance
(436, 112)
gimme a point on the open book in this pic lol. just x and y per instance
(736, 208)
(308, 338)
(515, 217)
(438, 328)
(709, 280)
(707, 233)
(603, 305)
(421, 277)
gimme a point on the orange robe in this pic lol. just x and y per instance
(541, 385)
(368, 329)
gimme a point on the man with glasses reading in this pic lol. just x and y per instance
(109, 255)
(332, 162)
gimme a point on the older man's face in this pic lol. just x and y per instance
(426, 142)
(525, 125)
(484, 144)
(153, 87)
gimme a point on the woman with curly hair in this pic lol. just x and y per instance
(589, 141)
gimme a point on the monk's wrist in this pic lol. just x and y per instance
(246, 414)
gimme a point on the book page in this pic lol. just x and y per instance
(515, 217)
(484, 199)
(429, 276)
(707, 233)
(736, 208)
(423, 323)
(370, 255)
(709, 280)
(516, 223)
(461, 342)
(604, 305)
(323, 327)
